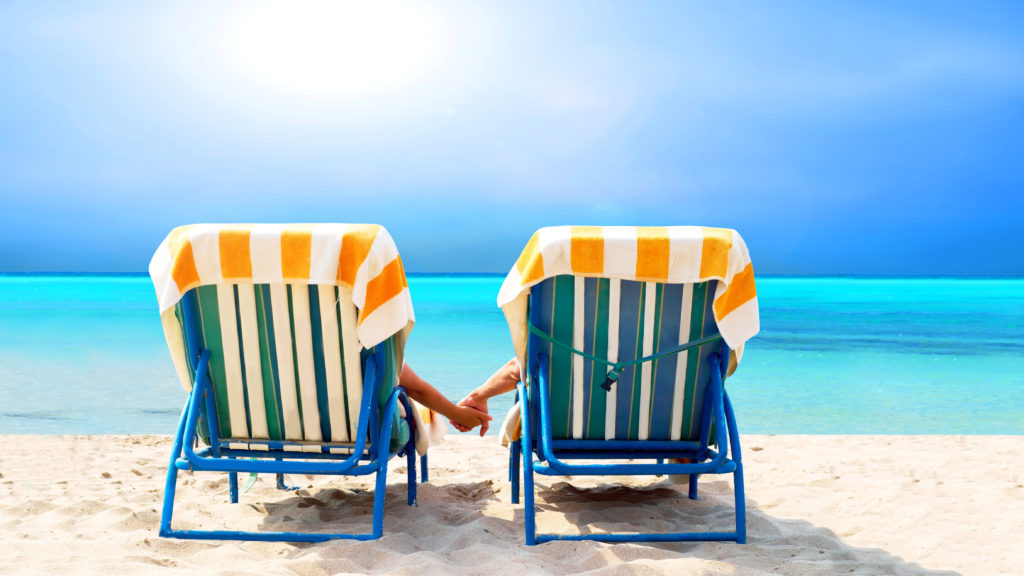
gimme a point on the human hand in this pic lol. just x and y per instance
(468, 418)
(502, 381)
(478, 405)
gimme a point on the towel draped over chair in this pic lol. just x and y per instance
(672, 254)
(360, 257)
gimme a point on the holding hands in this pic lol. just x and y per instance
(472, 410)
(479, 404)
(466, 417)
(504, 380)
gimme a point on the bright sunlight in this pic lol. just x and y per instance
(332, 49)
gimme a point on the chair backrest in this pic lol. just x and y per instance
(285, 361)
(623, 320)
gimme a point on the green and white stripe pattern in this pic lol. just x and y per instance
(622, 320)
(285, 363)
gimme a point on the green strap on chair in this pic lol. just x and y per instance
(617, 367)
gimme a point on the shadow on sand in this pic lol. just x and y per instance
(478, 514)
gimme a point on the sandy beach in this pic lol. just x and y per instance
(816, 505)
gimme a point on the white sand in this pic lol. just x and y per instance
(816, 505)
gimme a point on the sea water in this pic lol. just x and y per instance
(85, 354)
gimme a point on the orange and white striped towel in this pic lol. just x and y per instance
(361, 257)
(674, 254)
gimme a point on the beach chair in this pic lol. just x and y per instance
(289, 340)
(625, 335)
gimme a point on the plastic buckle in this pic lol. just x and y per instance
(613, 376)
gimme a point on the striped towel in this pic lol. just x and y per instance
(674, 254)
(361, 257)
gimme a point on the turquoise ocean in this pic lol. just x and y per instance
(84, 354)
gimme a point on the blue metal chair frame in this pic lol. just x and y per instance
(551, 455)
(219, 457)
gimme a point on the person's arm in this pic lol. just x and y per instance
(502, 381)
(423, 392)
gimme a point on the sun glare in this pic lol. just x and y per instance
(324, 48)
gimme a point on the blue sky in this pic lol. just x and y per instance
(859, 138)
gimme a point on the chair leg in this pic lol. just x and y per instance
(168, 509)
(378, 500)
(170, 485)
(233, 487)
(529, 512)
(513, 469)
(423, 469)
(741, 505)
(410, 458)
(280, 481)
(282, 486)
(693, 486)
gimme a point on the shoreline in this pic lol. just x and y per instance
(816, 505)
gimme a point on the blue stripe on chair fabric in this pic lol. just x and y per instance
(630, 333)
(598, 399)
(590, 294)
(664, 370)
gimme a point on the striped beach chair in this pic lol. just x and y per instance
(289, 340)
(625, 334)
